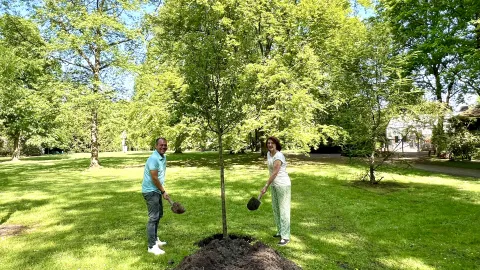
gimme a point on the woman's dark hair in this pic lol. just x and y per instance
(276, 142)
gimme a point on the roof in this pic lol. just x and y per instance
(471, 112)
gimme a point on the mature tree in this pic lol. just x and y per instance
(95, 41)
(438, 37)
(28, 90)
(156, 105)
(297, 43)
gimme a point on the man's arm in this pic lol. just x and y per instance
(156, 182)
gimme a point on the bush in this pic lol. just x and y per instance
(462, 145)
(476, 155)
(31, 150)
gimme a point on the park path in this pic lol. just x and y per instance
(415, 159)
(448, 170)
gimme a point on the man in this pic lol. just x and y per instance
(153, 190)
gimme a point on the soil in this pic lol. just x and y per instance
(235, 253)
(9, 230)
(177, 208)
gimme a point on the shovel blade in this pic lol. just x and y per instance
(253, 204)
(177, 208)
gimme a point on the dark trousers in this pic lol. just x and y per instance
(155, 212)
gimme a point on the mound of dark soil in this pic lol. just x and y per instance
(234, 254)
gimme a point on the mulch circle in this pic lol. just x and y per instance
(235, 253)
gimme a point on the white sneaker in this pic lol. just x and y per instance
(160, 242)
(155, 250)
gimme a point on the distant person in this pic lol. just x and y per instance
(153, 190)
(124, 141)
(281, 189)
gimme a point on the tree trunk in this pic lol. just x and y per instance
(94, 163)
(263, 143)
(440, 142)
(257, 142)
(16, 148)
(222, 185)
(372, 168)
(438, 84)
(477, 29)
(178, 143)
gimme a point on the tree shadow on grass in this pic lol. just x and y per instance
(21, 205)
(210, 160)
(411, 221)
(19, 174)
(334, 221)
(48, 157)
(354, 220)
(99, 216)
(408, 170)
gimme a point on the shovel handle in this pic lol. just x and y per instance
(260, 196)
(170, 201)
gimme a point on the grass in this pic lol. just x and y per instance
(73, 218)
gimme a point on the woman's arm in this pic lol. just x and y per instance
(276, 168)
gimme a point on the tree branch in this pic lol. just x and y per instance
(119, 42)
(70, 63)
(79, 50)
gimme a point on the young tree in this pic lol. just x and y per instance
(211, 43)
(378, 92)
(29, 95)
(95, 41)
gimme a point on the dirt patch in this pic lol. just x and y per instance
(9, 230)
(234, 254)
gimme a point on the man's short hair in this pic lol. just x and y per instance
(160, 138)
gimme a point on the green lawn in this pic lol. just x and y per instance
(74, 218)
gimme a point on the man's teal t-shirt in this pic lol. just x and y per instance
(154, 163)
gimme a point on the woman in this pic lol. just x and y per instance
(281, 189)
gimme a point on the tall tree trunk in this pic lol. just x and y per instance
(257, 142)
(263, 143)
(222, 185)
(16, 148)
(477, 29)
(438, 84)
(440, 135)
(373, 138)
(94, 140)
(178, 142)
(372, 168)
(94, 162)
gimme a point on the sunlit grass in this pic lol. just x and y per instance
(77, 218)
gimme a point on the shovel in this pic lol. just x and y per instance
(254, 203)
(176, 207)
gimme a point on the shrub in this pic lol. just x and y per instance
(31, 150)
(462, 145)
